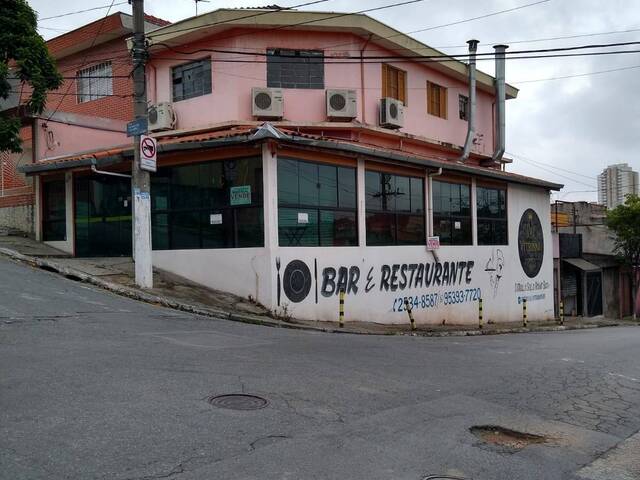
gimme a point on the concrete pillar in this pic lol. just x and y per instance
(69, 237)
(37, 208)
(474, 213)
(362, 203)
(270, 187)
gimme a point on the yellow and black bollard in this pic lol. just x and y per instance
(480, 313)
(524, 312)
(561, 313)
(409, 308)
(341, 311)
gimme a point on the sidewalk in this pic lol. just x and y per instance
(172, 291)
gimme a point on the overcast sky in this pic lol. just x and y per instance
(564, 130)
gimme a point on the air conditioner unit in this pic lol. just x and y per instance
(161, 117)
(266, 102)
(341, 105)
(391, 113)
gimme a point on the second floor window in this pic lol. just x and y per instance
(491, 204)
(395, 209)
(463, 107)
(436, 100)
(94, 82)
(191, 79)
(394, 83)
(295, 68)
(452, 213)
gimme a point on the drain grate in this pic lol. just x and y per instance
(238, 401)
(505, 439)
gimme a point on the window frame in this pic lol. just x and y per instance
(493, 220)
(306, 57)
(437, 108)
(395, 212)
(463, 107)
(452, 218)
(88, 74)
(318, 209)
(388, 71)
(207, 88)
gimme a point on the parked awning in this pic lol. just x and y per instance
(581, 264)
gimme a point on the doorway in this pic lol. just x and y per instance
(102, 216)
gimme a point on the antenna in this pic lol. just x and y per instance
(196, 2)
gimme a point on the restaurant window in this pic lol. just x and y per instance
(208, 205)
(191, 80)
(491, 204)
(395, 209)
(316, 204)
(436, 100)
(463, 107)
(54, 218)
(94, 82)
(394, 83)
(295, 68)
(452, 213)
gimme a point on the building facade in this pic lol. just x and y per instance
(615, 183)
(301, 154)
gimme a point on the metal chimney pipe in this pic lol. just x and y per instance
(471, 121)
(500, 103)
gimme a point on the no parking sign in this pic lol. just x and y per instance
(148, 153)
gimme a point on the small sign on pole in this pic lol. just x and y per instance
(433, 243)
(138, 126)
(148, 153)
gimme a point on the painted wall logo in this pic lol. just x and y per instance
(530, 243)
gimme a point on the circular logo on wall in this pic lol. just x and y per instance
(530, 243)
(296, 281)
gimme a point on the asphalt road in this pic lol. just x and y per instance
(94, 386)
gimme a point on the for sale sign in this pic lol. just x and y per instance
(148, 153)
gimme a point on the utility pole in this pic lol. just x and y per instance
(140, 181)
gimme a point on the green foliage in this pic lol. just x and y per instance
(624, 221)
(23, 55)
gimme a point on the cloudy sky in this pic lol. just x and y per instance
(564, 130)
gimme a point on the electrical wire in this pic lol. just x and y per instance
(599, 72)
(548, 164)
(82, 11)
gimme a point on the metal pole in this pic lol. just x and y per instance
(140, 181)
(341, 309)
(480, 313)
(524, 312)
(409, 309)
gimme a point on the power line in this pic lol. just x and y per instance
(83, 11)
(97, 95)
(548, 164)
(577, 75)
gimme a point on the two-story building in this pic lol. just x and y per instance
(304, 153)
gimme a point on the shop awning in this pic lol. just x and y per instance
(581, 264)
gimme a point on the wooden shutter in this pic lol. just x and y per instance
(402, 86)
(385, 80)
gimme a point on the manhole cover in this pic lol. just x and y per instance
(506, 439)
(238, 401)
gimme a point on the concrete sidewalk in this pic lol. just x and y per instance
(117, 275)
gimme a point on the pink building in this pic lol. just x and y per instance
(296, 148)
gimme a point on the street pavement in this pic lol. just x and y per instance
(96, 386)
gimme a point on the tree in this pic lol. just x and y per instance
(624, 221)
(23, 56)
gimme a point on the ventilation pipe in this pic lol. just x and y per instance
(500, 103)
(471, 121)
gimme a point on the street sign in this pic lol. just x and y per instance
(137, 127)
(433, 243)
(148, 152)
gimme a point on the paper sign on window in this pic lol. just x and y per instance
(240, 195)
(215, 219)
(303, 217)
(457, 225)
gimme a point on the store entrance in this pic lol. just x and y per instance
(102, 216)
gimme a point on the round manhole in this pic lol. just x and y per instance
(238, 401)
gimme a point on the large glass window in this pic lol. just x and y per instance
(317, 204)
(54, 219)
(295, 68)
(191, 79)
(395, 209)
(452, 213)
(491, 204)
(208, 205)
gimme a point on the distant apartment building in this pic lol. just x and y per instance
(615, 183)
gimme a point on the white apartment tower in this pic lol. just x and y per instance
(615, 182)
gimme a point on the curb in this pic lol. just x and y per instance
(136, 294)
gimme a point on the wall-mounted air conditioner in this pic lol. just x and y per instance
(341, 105)
(266, 103)
(391, 113)
(161, 117)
